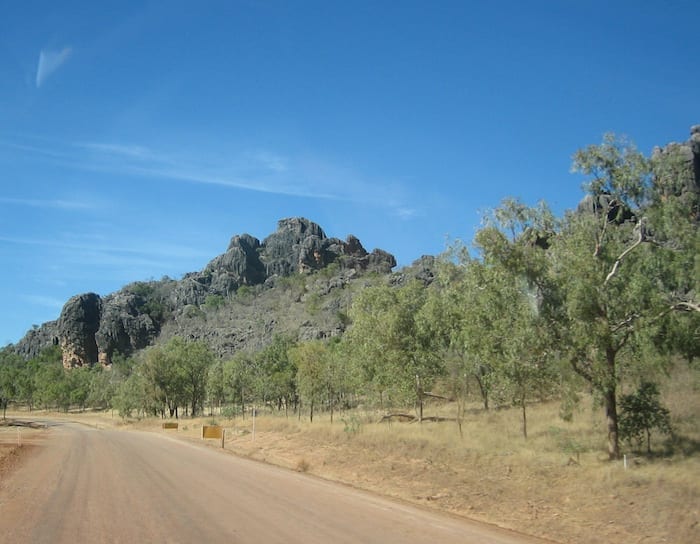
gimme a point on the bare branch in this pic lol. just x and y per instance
(625, 323)
(639, 241)
(689, 306)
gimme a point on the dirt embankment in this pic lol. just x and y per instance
(18, 441)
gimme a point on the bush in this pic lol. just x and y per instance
(640, 413)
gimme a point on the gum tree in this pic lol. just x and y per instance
(620, 271)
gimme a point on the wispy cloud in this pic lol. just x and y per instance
(54, 204)
(131, 151)
(264, 171)
(42, 300)
(49, 62)
(152, 249)
(405, 213)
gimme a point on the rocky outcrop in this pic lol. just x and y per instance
(297, 246)
(37, 339)
(677, 170)
(605, 203)
(240, 265)
(123, 326)
(92, 329)
(77, 326)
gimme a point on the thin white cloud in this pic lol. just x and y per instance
(149, 249)
(49, 62)
(41, 300)
(55, 204)
(270, 161)
(131, 151)
(260, 171)
(405, 213)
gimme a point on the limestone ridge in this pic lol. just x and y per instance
(92, 329)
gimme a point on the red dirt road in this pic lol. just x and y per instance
(89, 485)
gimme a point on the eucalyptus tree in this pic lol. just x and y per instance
(239, 379)
(176, 373)
(312, 361)
(396, 355)
(511, 303)
(622, 269)
(10, 372)
(277, 372)
(452, 323)
(192, 361)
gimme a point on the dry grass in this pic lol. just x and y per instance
(556, 484)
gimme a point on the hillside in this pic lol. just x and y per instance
(297, 281)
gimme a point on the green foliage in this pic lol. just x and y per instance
(275, 372)
(610, 276)
(313, 303)
(313, 372)
(131, 395)
(541, 307)
(176, 375)
(214, 302)
(10, 371)
(391, 342)
(641, 412)
(351, 425)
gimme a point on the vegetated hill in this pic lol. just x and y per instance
(297, 282)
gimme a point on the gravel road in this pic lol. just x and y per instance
(89, 485)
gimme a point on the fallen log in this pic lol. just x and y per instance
(20, 423)
(400, 417)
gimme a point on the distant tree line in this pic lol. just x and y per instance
(537, 307)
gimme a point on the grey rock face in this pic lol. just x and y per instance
(37, 339)
(296, 246)
(77, 326)
(91, 329)
(681, 174)
(240, 265)
(123, 326)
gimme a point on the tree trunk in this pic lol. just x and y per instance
(610, 400)
(482, 390)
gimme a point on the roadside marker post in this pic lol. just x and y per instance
(254, 412)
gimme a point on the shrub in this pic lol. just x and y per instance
(640, 413)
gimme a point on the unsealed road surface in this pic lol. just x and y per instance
(89, 485)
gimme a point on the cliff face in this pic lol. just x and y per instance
(679, 173)
(92, 329)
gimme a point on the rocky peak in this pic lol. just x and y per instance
(92, 329)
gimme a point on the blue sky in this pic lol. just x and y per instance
(137, 137)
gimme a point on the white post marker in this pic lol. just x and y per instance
(19, 437)
(624, 461)
(254, 411)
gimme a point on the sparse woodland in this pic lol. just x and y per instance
(600, 302)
